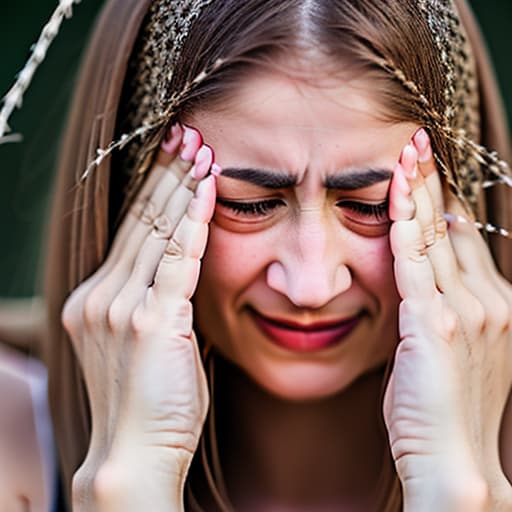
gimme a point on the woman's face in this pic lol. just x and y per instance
(297, 285)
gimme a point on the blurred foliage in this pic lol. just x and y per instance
(26, 168)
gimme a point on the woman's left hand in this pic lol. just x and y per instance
(452, 372)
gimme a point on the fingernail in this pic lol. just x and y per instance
(216, 169)
(422, 142)
(172, 143)
(202, 163)
(409, 160)
(192, 140)
(401, 205)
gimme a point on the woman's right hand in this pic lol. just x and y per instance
(131, 327)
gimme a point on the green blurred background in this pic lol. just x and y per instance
(26, 168)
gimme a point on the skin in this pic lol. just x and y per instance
(131, 322)
(309, 259)
(312, 258)
(335, 263)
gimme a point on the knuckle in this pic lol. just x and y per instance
(162, 227)
(477, 317)
(500, 314)
(116, 316)
(450, 323)
(95, 308)
(174, 250)
(141, 322)
(71, 314)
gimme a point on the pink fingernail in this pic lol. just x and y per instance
(409, 160)
(202, 163)
(192, 141)
(216, 169)
(172, 143)
(422, 142)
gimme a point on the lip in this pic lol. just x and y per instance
(305, 337)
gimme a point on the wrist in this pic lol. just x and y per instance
(457, 493)
(130, 484)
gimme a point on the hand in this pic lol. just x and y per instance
(131, 327)
(453, 366)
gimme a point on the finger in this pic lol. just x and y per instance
(107, 282)
(428, 170)
(158, 240)
(421, 196)
(178, 270)
(465, 236)
(121, 282)
(413, 271)
(479, 273)
(161, 184)
(467, 257)
(430, 209)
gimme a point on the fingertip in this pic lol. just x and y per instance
(421, 140)
(212, 150)
(192, 141)
(422, 143)
(173, 141)
(202, 162)
(409, 161)
(170, 145)
(401, 204)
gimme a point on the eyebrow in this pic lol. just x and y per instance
(352, 179)
(260, 177)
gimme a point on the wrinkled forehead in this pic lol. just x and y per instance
(289, 125)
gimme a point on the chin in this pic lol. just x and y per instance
(301, 381)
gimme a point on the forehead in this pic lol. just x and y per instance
(277, 96)
(296, 123)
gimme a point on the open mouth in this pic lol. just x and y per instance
(305, 338)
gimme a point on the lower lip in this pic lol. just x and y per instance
(306, 341)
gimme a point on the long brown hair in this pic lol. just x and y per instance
(244, 34)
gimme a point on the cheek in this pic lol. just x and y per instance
(232, 263)
(373, 269)
(231, 259)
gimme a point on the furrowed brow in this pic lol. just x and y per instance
(354, 179)
(260, 177)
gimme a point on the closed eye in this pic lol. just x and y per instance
(377, 211)
(251, 208)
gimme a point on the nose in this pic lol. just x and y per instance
(310, 268)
